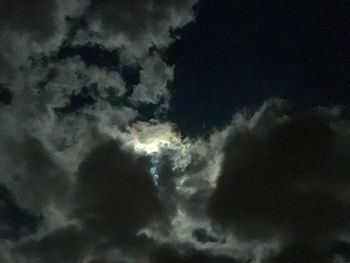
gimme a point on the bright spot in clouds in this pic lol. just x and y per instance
(151, 146)
(154, 139)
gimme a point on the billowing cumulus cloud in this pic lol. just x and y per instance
(285, 176)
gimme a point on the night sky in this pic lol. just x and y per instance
(163, 131)
(241, 53)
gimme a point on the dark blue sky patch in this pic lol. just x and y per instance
(97, 55)
(202, 236)
(14, 221)
(5, 96)
(240, 53)
(131, 76)
(77, 102)
(92, 55)
(342, 249)
(146, 111)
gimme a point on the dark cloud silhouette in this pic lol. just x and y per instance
(171, 255)
(287, 177)
(301, 253)
(116, 196)
(64, 245)
(36, 18)
(114, 199)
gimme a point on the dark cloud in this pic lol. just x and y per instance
(14, 221)
(64, 245)
(287, 177)
(36, 18)
(37, 179)
(301, 253)
(114, 199)
(116, 196)
(98, 260)
(19, 21)
(171, 255)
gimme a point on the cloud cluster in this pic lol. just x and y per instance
(30, 28)
(113, 199)
(89, 175)
(271, 187)
(67, 156)
(285, 176)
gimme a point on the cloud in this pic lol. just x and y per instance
(37, 18)
(114, 199)
(285, 176)
(64, 245)
(69, 76)
(32, 174)
(136, 25)
(155, 76)
(30, 28)
(171, 255)
(10, 227)
(58, 113)
(115, 196)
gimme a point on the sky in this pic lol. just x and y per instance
(163, 131)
